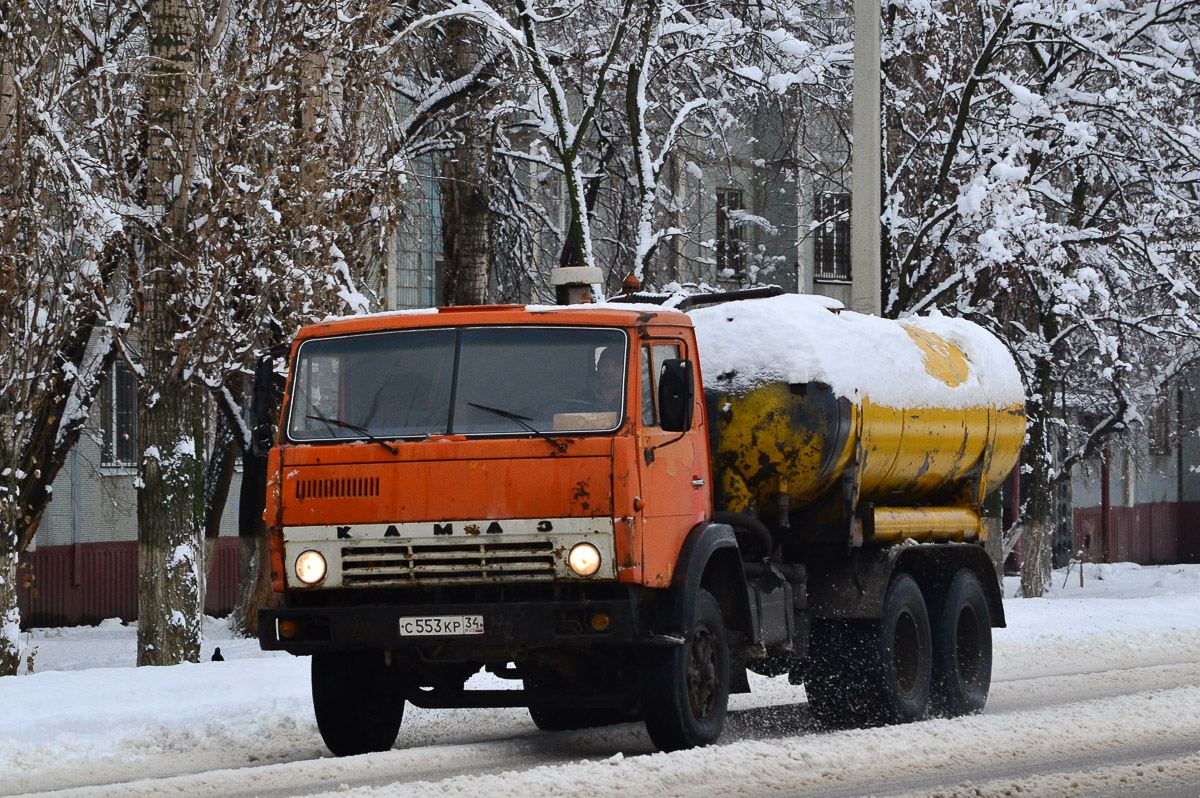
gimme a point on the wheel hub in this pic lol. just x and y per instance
(702, 673)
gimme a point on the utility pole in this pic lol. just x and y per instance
(866, 180)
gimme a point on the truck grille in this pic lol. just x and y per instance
(480, 561)
(347, 487)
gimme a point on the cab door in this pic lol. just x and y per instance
(673, 466)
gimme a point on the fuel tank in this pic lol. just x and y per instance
(817, 410)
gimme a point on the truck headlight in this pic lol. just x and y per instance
(310, 567)
(584, 559)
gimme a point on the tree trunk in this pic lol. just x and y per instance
(467, 268)
(1036, 538)
(8, 110)
(1035, 558)
(170, 521)
(254, 571)
(170, 499)
(10, 616)
(218, 475)
(255, 588)
(639, 138)
(577, 249)
(466, 243)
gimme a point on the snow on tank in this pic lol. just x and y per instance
(799, 338)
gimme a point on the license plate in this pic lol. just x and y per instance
(442, 625)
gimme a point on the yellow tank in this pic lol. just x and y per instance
(883, 451)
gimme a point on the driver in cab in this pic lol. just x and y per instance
(610, 376)
(598, 405)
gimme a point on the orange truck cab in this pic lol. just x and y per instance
(529, 491)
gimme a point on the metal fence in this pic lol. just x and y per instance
(1148, 534)
(88, 582)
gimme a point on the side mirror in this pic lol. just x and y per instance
(676, 395)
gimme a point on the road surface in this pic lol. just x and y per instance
(1076, 716)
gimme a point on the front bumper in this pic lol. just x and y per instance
(508, 627)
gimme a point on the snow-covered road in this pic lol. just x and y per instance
(1096, 691)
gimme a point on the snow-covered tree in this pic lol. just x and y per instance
(700, 75)
(1041, 161)
(59, 250)
(273, 206)
(184, 184)
(590, 123)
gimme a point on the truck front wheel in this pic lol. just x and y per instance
(357, 700)
(687, 687)
(962, 648)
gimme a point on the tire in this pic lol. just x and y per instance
(962, 648)
(866, 673)
(357, 701)
(687, 688)
(904, 668)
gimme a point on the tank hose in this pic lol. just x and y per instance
(756, 528)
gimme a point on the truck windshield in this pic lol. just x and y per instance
(508, 381)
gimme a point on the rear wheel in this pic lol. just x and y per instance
(687, 687)
(357, 700)
(904, 667)
(962, 648)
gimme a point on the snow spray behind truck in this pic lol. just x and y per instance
(556, 496)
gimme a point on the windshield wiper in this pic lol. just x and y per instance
(562, 447)
(337, 422)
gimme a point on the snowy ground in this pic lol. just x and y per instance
(1096, 691)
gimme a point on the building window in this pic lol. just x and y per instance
(731, 258)
(118, 417)
(1160, 427)
(418, 261)
(831, 241)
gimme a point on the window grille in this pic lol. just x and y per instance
(831, 239)
(419, 247)
(731, 245)
(119, 417)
